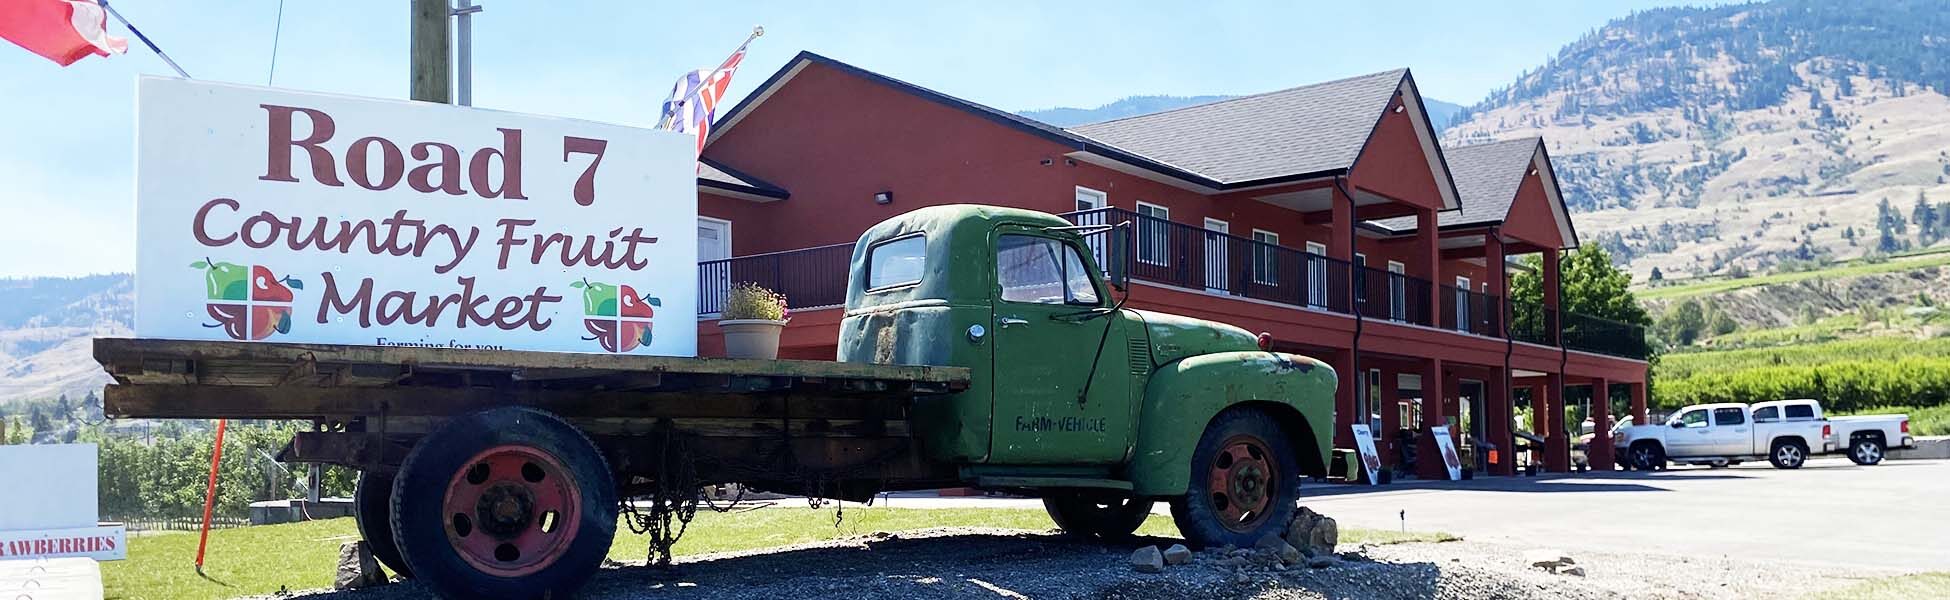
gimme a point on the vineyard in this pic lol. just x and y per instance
(1847, 376)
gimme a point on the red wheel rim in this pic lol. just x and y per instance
(511, 510)
(1242, 481)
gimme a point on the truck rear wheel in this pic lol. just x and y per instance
(1245, 482)
(372, 506)
(1101, 517)
(504, 503)
(1865, 451)
(1787, 454)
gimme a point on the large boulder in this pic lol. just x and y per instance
(1313, 533)
(357, 568)
(1148, 560)
(1178, 554)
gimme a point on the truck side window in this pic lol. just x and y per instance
(1693, 418)
(1043, 271)
(897, 262)
(1768, 414)
(1728, 417)
(1800, 412)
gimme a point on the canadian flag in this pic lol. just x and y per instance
(64, 31)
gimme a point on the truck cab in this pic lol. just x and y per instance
(1099, 408)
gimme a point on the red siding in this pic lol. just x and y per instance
(1394, 165)
(1531, 218)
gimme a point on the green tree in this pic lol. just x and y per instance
(1590, 285)
(1683, 325)
(1656, 275)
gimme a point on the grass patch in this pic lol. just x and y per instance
(262, 560)
(1933, 258)
(1901, 587)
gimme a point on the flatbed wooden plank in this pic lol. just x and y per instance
(129, 355)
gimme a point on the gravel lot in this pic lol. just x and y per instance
(987, 563)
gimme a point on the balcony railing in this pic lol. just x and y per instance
(809, 277)
(1184, 256)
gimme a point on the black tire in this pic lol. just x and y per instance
(372, 509)
(1111, 519)
(558, 466)
(1866, 451)
(1201, 514)
(1647, 456)
(1787, 454)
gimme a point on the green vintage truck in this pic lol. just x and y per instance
(982, 346)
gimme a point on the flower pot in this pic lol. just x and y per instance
(751, 338)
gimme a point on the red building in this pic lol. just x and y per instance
(1326, 215)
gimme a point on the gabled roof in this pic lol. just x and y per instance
(1290, 135)
(1488, 177)
(1314, 128)
(715, 175)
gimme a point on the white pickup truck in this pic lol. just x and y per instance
(1865, 438)
(1721, 435)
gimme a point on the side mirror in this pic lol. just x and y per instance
(1677, 425)
(1117, 256)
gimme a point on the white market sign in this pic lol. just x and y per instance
(272, 215)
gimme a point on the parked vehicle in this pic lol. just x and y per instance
(1866, 438)
(980, 347)
(1588, 431)
(1720, 435)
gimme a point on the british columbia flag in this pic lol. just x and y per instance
(695, 98)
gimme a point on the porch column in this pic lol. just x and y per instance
(1557, 450)
(1428, 253)
(1428, 456)
(1498, 406)
(1498, 281)
(1345, 409)
(1599, 453)
(1553, 322)
(1638, 403)
(1390, 408)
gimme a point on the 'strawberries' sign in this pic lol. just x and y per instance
(271, 215)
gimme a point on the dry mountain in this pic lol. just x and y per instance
(1699, 140)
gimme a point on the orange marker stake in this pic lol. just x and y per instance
(210, 496)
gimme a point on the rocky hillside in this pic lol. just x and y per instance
(45, 327)
(1702, 140)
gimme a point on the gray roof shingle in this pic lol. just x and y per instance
(1487, 177)
(711, 173)
(1307, 129)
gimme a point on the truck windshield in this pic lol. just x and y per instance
(1042, 270)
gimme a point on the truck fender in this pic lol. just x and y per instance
(1184, 395)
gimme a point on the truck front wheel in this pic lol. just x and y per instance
(1101, 517)
(372, 506)
(1245, 482)
(1788, 454)
(1648, 456)
(504, 503)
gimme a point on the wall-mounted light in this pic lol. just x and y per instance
(883, 197)
(1048, 161)
(1071, 162)
(1400, 108)
(1533, 172)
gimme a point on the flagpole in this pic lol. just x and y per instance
(757, 30)
(145, 39)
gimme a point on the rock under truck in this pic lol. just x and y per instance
(981, 346)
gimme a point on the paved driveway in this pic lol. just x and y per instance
(1896, 514)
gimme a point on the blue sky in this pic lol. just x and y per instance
(66, 164)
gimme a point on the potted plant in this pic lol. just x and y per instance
(752, 319)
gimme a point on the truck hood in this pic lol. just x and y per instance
(1175, 336)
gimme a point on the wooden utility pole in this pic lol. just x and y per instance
(431, 72)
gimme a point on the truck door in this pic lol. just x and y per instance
(1691, 437)
(1047, 340)
(1732, 435)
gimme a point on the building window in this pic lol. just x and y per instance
(1154, 234)
(1463, 322)
(1266, 257)
(1360, 277)
(1089, 199)
(1397, 291)
(1316, 274)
